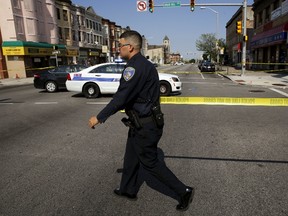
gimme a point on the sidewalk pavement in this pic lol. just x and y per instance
(256, 78)
(12, 82)
(253, 78)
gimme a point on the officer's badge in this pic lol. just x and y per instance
(128, 73)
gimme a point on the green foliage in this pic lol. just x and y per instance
(209, 45)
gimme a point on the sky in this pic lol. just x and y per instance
(179, 24)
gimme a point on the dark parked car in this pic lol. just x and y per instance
(207, 67)
(54, 79)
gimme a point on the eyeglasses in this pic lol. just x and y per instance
(122, 45)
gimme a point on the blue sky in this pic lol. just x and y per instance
(182, 26)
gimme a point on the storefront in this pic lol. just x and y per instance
(24, 58)
(270, 48)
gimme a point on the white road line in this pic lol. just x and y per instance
(280, 92)
(202, 76)
(45, 103)
(97, 103)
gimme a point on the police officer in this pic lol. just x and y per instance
(138, 94)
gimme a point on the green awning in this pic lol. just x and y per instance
(31, 44)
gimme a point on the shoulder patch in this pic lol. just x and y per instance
(128, 73)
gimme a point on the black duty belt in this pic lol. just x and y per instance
(146, 120)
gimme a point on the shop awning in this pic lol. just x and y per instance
(30, 48)
(271, 37)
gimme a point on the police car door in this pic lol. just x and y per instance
(107, 77)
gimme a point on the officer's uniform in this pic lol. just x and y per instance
(139, 90)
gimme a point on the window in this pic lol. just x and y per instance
(78, 20)
(87, 23)
(65, 15)
(91, 24)
(16, 4)
(19, 25)
(60, 34)
(79, 36)
(267, 14)
(100, 27)
(28, 5)
(30, 26)
(74, 35)
(113, 68)
(39, 8)
(58, 14)
(67, 34)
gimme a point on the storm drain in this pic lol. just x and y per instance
(256, 91)
(279, 84)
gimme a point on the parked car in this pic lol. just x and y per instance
(207, 67)
(54, 79)
(179, 63)
(104, 78)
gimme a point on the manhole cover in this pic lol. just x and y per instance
(279, 84)
(256, 91)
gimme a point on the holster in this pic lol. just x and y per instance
(158, 116)
(134, 118)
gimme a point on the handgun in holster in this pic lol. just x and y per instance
(127, 122)
(134, 118)
(158, 116)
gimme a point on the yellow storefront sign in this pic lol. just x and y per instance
(72, 52)
(13, 50)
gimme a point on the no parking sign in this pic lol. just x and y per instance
(141, 6)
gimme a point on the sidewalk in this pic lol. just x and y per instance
(12, 82)
(256, 78)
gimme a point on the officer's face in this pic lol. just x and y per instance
(124, 49)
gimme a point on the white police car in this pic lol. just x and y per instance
(104, 78)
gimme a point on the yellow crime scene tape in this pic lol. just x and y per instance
(233, 101)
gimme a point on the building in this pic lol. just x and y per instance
(29, 36)
(175, 57)
(269, 42)
(159, 53)
(234, 40)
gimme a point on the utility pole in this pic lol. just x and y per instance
(244, 12)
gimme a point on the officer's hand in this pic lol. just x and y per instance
(93, 121)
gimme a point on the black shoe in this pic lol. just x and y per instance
(132, 197)
(186, 199)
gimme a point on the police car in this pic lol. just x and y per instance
(104, 79)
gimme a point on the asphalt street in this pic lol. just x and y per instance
(52, 163)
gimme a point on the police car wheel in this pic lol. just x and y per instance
(91, 90)
(165, 88)
(51, 86)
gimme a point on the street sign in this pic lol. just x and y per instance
(172, 4)
(141, 6)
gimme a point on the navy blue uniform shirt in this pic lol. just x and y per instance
(139, 82)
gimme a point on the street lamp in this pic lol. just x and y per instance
(217, 28)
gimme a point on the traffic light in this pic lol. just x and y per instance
(245, 38)
(239, 27)
(192, 5)
(151, 6)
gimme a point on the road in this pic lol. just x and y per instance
(51, 163)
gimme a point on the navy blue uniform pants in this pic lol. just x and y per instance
(141, 150)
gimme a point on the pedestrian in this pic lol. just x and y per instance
(138, 94)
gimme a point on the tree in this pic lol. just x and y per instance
(207, 44)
